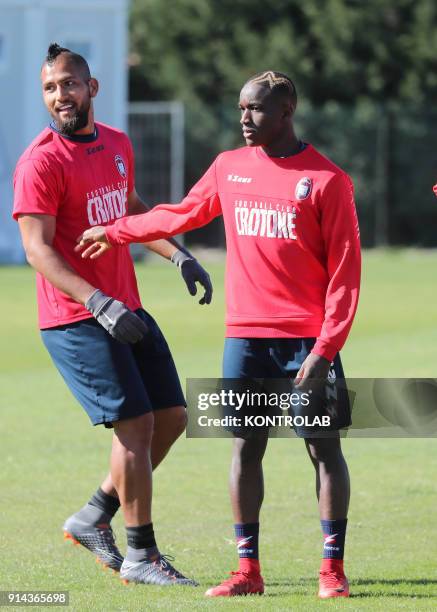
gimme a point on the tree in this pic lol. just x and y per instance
(377, 57)
(202, 51)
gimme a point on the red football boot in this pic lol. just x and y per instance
(332, 581)
(240, 583)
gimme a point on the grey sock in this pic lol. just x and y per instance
(141, 554)
(93, 515)
(105, 502)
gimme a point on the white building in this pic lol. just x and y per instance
(97, 29)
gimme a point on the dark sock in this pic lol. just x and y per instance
(106, 503)
(247, 540)
(99, 510)
(141, 543)
(334, 534)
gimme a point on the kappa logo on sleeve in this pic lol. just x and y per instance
(303, 188)
(121, 167)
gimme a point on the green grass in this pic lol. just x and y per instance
(52, 460)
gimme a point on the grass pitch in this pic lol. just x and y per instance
(52, 460)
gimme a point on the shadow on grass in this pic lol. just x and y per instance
(413, 582)
(356, 582)
(293, 584)
(386, 594)
(394, 581)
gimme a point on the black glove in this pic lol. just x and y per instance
(123, 324)
(192, 273)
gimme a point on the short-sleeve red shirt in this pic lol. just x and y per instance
(82, 181)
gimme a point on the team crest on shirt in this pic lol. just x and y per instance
(303, 188)
(121, 167)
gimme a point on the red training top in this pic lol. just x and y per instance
(293, 253)
(82, 181)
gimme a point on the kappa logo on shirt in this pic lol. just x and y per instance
(121, 167)
(303, 188)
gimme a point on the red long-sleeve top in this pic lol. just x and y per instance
(293, 252)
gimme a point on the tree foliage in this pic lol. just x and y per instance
(202, 51)
(365, 72)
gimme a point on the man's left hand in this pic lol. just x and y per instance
(314, 368)
(192, 273)
(92, 243)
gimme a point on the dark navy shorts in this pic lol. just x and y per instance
(114, 381)
(254, 361)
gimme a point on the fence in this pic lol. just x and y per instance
(157, 133)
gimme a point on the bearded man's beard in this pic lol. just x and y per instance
(77, 122)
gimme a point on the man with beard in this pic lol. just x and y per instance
(292, 284)
(78, 173)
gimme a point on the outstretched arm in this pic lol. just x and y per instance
(165, 247)
(191, 270)
(200, 206)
